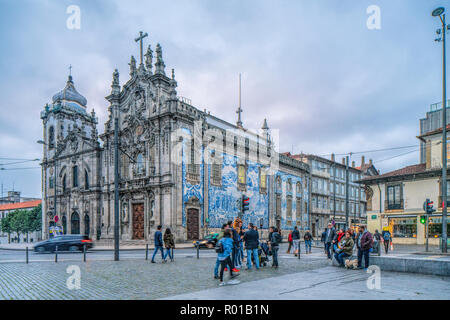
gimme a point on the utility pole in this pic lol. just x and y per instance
(439, 12)
(346, 193)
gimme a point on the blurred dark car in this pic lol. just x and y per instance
(69, 242)
(208, 242)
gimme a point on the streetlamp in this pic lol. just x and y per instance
(54, 175)
(439, 12)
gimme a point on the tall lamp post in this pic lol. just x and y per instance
(439, 12)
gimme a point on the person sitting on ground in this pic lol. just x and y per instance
(345, 248)
(224, 255)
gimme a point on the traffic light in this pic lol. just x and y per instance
(423, 220)
(428, 206)
(245, 203)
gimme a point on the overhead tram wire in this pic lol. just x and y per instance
(19, 159)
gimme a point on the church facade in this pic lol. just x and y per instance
(179, 167)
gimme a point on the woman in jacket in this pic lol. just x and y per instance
(345, 248)
(225, 256)
(169, 244)
(290, 242)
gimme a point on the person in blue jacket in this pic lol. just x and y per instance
(225, 256)
(158, 244)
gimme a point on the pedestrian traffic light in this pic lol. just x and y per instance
(245, 203)
(423, 220)
(428, 206)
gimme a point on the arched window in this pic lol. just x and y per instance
(299, 189)
(289, 185)
(51, 137)
(86, 180)
(75, 223)
(140, 163)
(64, 183)
(87, 225)
(64, 224)
(75, 176)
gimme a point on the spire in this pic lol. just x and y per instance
(173, 84)
(265, 126)
(159, 65)
(239, 110)
(149, 59)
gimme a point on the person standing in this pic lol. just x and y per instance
(241, 242)
(296, 240)
(308, 239)
(234, 253)
(169, 243)
(386, 235)
(275, 240)
(251, 239)
(364, 244)
(220, 236)
(329, 239)
(322, 239)
(290, 242)
(225, 246)
(158, 244)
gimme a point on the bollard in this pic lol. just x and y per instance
(146, 251)
(198, 251)
(56, 254)
(84, 253)
(299, 246)
(26, 252)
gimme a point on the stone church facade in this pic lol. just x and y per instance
(179, 167)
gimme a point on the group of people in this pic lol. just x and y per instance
(294, 241)
(342, 243)
(231, 242)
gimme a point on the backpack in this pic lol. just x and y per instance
(387, 236)
(219, 247)
(277, 238)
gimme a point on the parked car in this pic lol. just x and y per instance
(69, 242)
(208, 242)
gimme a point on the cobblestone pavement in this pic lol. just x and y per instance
(131, 279)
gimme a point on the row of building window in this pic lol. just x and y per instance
(322, 203)
(75, 180)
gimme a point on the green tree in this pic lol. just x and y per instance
(18, 218)
(6, 226)
(37, 218)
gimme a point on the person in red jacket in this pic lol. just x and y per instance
(290, 242)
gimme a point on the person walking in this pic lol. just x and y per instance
(329, 239)
(386, 235)
(290, 242)
(275, 240)
(308, 239)
(225, 249)
(364, 244)
(158, 244)
(346, 248)
(296, 240)
(169, 244)
(251, 239)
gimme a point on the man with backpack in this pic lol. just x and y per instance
(275, 240)
(386, 235)
(224, 249)
(220, 236)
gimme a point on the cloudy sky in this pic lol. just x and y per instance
(312, 68)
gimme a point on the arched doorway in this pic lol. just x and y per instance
(87, 225)
(192, 224)
(75, 223)
(64, 224)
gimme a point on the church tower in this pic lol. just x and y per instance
(70, 165)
